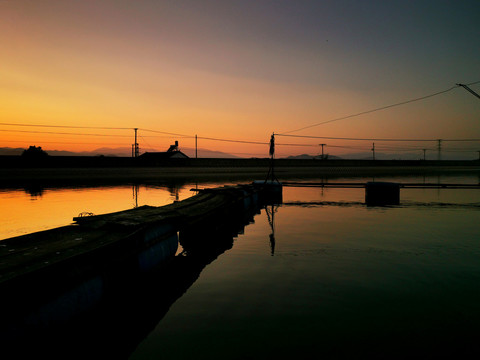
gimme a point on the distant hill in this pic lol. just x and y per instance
(205, 153)
(11, 151)
(395, 156)
(121, 152)
(432, 155)
(306, 156)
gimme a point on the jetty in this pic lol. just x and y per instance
(53, 276)
(381, 193)
(91, 236)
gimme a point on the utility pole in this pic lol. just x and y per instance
(135, 149)
(424, 154)
(271, 152)
(373, 151)
(322, 145)
(469, 90)
(196, 147)
(439, 147)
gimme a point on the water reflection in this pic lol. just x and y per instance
(112, 310)
(20, 215)
(135, 189)
(343, 275)
(270, 210)
(34, 191)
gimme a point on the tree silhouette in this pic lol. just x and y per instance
(34, 152)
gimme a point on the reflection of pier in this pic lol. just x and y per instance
(401, 185)
(106, 299)
(383, 193)
(173, 189)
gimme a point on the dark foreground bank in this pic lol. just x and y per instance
(58, 171)
(9, 162)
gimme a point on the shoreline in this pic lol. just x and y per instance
(18, 177)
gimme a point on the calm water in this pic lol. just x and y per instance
(320, 274)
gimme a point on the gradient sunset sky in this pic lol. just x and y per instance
(236, 70)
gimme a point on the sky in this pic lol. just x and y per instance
(238, 70)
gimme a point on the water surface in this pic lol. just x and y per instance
(320, 274)
(339, 279)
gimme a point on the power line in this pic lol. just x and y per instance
(77, 134)
(63, 142)
(167, 133)
(67, 126)
(378, 109)
(234, 141)
(356, 139)
(208, 138)
(280, 144)
(111, 135)
(344, 147)
(459, 150)
(62, 133)
(370, 139)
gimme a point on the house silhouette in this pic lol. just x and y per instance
(173, 152)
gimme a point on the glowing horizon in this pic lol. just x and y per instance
(231, 70)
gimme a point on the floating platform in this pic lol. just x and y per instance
(48, 277)
(110, 234)
(271, 191)
(379, 193)
(59, 278)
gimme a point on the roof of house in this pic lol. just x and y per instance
(163, 155)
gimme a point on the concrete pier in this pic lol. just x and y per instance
(382, 193)
(51, 277)
(271, 191)
(59, 282)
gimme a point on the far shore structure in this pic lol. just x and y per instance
(173, 152)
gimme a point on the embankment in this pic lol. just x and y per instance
(55, 171)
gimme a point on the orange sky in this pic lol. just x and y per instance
(234, 70)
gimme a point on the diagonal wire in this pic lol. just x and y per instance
(377, 109)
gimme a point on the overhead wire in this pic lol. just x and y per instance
(377, 109)
(288, 133)
(371, 139)
(67, 126)
(62, 133)
(166, 133)
(63, 142)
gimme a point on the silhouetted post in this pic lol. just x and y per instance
(373, 151)
(196, 146)
(469, 90)
(135, 150)
(271, 172)
(439, 147)
(424, 154)
(272, 154)
(322, 145)
(478, 155)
